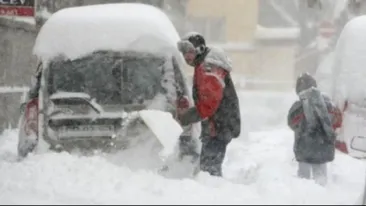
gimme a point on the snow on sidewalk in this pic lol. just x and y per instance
(258, 170)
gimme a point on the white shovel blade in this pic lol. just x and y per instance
(166, 129)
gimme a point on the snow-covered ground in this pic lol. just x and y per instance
(259, 169)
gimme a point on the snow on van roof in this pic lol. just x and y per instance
(349, 62)
(78, 31)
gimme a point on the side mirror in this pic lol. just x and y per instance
(359, 143)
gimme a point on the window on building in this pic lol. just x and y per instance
(285, 13)
(277, 13)
(176, 11)
(213, 28)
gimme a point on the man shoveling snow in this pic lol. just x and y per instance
(216, 101)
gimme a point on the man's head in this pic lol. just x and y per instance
(305, 81)
(191, 46)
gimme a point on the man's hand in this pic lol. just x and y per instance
(188, 116)
(180, 113)
(182, 107)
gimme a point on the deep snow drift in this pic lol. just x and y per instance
(259, 169)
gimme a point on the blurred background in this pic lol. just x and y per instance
(269, 41)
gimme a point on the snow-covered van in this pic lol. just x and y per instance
(98, 65)
(347, 86)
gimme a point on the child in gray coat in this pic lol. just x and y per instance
(313, 118)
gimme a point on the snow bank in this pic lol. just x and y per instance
(74, 32)
(259, 170)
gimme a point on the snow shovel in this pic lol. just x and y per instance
(165, 128)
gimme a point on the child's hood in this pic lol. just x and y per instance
(305, 81)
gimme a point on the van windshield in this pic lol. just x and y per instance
(110, 77)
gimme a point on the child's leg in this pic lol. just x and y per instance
(304, 170)
(320, 173)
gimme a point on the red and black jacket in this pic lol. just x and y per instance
(216, 101)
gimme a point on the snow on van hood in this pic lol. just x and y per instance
(77, 31)
(349, 67)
